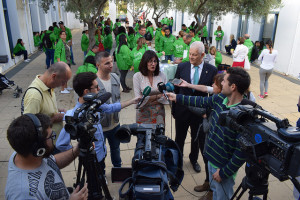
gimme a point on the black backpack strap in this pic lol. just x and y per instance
(22, 101)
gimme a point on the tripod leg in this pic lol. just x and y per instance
(241, 194)
(236, 192)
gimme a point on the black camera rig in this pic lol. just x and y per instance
(156, 164)
(271, 145)
(80, 126)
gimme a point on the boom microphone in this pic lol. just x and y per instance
(99, 101)
(251, 103)
(146, 92)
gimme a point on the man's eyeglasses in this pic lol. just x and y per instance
(96, 87)
(52, 136)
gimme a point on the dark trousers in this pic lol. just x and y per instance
(204, 39)
(228, 48)
(23, 52)
(181, 132)
(72, 56)
(49, 57)
(202, 136)
(171, 27)
(123, 79)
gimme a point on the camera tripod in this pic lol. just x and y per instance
(256, 180)
(95, 175)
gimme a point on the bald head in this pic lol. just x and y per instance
(246, 36)
(57, 75)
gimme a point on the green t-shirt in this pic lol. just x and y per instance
(179, 47)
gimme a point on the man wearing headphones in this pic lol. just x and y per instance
(33, 173)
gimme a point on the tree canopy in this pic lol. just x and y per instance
(217, 8)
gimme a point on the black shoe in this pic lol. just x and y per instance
(128, 88)
(73, 63)
(196, 167)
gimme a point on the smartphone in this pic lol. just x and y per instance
(176, 81)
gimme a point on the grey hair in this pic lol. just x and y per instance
(59, 68)
(199, 45)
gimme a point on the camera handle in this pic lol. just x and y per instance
(296, 183)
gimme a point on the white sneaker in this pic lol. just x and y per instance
(69, 88)
(27, 60)
(65, 91)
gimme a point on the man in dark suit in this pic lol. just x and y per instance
(195, 72)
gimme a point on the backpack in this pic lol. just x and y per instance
(47, 43)
(148, 36)
(22, 101)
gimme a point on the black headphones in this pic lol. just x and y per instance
(38, 148)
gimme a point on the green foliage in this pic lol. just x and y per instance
(217, 8)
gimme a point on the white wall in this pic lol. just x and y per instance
(4, 50)
(13, 20)
(35, 16)
(253, 29)
(287, 40)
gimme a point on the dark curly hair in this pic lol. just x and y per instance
(143, 67)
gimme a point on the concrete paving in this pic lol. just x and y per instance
(281, 102)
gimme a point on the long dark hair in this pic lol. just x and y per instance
(131, 30)
(270, 44)
(122, 41)
(107, 30)
(121, 29)
(19, 41)
(143, 67)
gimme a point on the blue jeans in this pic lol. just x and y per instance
(114, 145)
(84, 53)
(169, 57)
(219, 188)
(49, 57)
(219, 44)
(72, 57)
(171, 27)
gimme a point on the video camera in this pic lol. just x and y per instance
(84, 117)
(156, 164)
(270, 143)
(80, 127)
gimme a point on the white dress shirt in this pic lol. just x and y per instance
(193, 71)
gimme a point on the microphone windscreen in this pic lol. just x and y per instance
(170, 87)
(161, 86)
(147, 91)
(104, 97)
(248, 102)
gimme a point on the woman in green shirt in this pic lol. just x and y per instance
(124, 61)
(131, 35)
(63, 53)
(108, 42)
(20, 50)
(85, 42)
(138, 52)
(219, 37)
(150, 28)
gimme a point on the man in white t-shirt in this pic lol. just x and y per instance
(109, 82)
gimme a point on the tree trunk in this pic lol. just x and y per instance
(92, 29)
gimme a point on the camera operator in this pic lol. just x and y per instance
(83, 84)
(222, 149)
(33, 173)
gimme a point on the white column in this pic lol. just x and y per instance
(112, 11)
(13, 21)
(35, 16)
(4, 50)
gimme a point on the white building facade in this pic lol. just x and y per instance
(20, 18)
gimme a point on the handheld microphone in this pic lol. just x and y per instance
(162, 88)
(170, 87)
(99, 101)
(146, 92)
